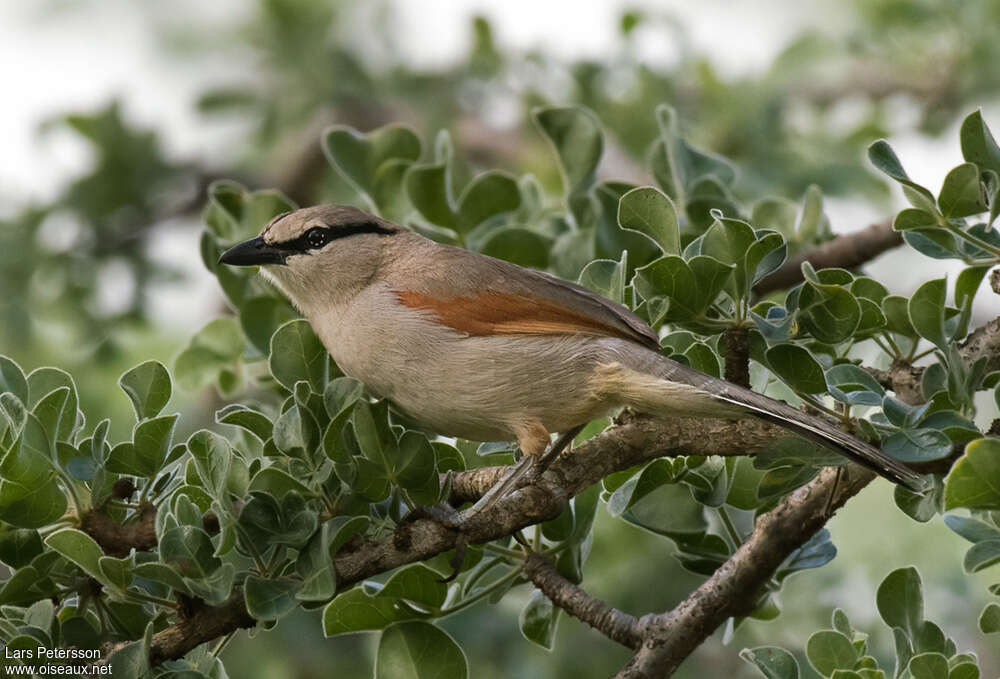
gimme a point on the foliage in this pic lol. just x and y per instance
(922, 649)
(303, 463)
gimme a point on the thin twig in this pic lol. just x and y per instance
(611, 622)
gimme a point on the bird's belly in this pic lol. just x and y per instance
(478, 388)
(484, 388)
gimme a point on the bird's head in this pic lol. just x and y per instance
(317, 255)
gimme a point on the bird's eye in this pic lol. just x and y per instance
(317, 237)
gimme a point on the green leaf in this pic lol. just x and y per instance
(148, 387)
(926, 311)
(935, 243)
(12, 379)
(235, 214)
(917, 445)
(117, 572)
(79, 548)
(606, 277)
(429, 190)
(981, 555)
(900, 600)
(576, 136)
(962, 193)
(53, 412)
(277, 482)
(848, 383)
(963, 670)
(538, 620)
(817, 551)
(414, 467)
(146, 454)
(971, 529)
(828, 312)
(419, 650)
(924, 506)
(974, 481)
(416, 583)
(797, 367)
(163, 574)
(215, 347)
(520, 246)
(677, 166)
(912, 218)
(701, 357)
(897, 316)
(356, 611)
(41, 383)
(18, 546)
(189, 550)
(212, 457)
(264, 520)
(989, 619)
(829, 651)
(297, 354)
(648, 211)
(884, 158)
(775, 213)
(928, 666)
(672, 277)
(270, 599)
(486, 196)
(813, 223)
(764, 256)
(261, 316)
(255, 422)
(772, 661)
(29, 494)
(729, 241)
(978, 144)
(358, 157)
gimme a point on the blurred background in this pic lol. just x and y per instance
(119, 113)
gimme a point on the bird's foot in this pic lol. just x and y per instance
(442, 513)
(527, 469)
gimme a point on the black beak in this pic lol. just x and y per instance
(253, 252)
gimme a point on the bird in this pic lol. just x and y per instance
(486, 350)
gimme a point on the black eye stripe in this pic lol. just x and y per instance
(305, 242)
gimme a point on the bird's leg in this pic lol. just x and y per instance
(536, 460)
(833, 492)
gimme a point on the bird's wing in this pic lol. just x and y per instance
(480, 295)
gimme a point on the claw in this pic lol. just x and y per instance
(443, 513)
(517, 476)
(456, 561)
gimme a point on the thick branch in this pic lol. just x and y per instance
(612, 623)
(847, 252)
(733, 589)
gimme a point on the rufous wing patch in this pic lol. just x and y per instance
(497, 313)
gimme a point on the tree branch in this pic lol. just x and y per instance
(732, 590)
(736, 343)
(848, 251)
(612, 623)
(118, 539)
(905, 379)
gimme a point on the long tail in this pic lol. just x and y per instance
(668, 387)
